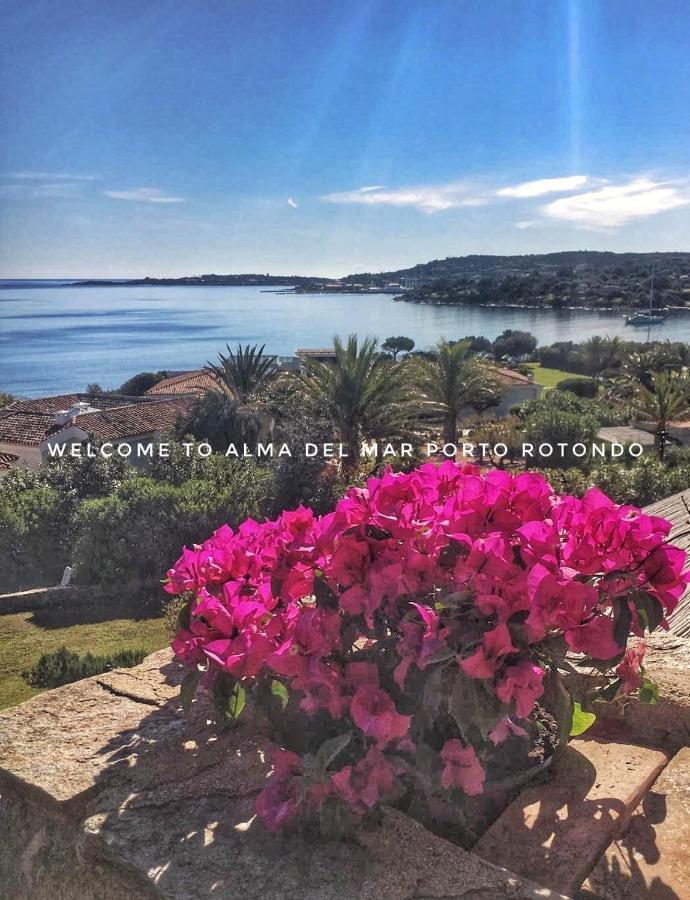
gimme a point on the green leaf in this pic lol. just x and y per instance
(581, 720)
(622, 620)
(328, 751)
(279, 690)
(649, 692)
(649, 609)
(188, 689)
(236, 702)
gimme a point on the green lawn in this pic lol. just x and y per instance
(550, 377)
(22, 642)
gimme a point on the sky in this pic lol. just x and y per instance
(326, 137)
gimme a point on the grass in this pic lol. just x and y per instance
(22, 642)
(549, 378)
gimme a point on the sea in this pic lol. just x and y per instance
(57, 338)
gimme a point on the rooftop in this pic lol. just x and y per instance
(30, 422)
(197, 382)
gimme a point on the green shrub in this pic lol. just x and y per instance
(581, 387)
(34, 536)
(62, 666)
(138, 531)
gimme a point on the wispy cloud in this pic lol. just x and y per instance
(543, 186)
(144, 195)
(50, 176)
(526, 224)
(293, 203)
(429, 198)
(615, 205)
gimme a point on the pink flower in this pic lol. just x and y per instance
(595, 638)
(373, 711)
(461, 768)
(483, 662)
(363, 785)
(504, 729)
(523, 684)
(630, 668)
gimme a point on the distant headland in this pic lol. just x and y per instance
(582, 278)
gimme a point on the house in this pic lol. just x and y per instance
(322, 355)
(31, 430)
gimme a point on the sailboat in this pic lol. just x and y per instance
(647, 318)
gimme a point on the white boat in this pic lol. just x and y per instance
(647, 318)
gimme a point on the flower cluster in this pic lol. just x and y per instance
(416, 629)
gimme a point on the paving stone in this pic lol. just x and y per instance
(107, 792)
(652, 858)
(555, 832)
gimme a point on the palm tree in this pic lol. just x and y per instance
(245, 373)
(454, 378)
(365, 395)
(665, 399)
(243, 377)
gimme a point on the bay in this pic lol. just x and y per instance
(57, 339)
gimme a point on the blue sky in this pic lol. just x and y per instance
(325, 137)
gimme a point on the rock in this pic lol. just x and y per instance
(108, 791)
(652, 858)
(555, 832)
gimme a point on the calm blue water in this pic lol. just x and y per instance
(58, 339)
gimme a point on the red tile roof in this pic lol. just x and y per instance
(24, 428)
(198, 383)
(133, 420)
(24, 425)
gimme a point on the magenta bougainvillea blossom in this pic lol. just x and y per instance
(418, 630)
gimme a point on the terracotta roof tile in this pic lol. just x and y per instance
(198, 382)
(133, 420)
(25, 428)
(7, 460)
(510, 376)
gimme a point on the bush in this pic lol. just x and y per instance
(34, 534)
(581, 387)
(408, 647)
(137, 385)
(63, 666)
(135, 532)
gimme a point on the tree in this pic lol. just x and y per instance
(453, 379)
(514, 343)
(5, 399)
(364, 395)
(137, 385)
(215, 418)
(244, 373)
(395, 345)
(665, 399)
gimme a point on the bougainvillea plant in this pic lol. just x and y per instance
(413, 642)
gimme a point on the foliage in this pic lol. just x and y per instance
(453, 379)
(6, 399)
(645, 481)
(63, 666)
(33, 541)
(214, 418)
(137, 385)
(363, 395)
(514, 343)
(666, 398)
(581, 387)
(551, 421)
(244, 373)
(395, 345)
(410, 643)
(134, 532)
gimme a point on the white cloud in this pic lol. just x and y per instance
(51, 176)
(525, 224)
(144, 195)
(614, 205)
(293, 203)
(543, 186)
(429, 199)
